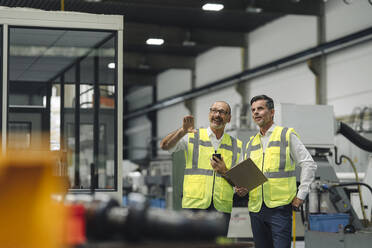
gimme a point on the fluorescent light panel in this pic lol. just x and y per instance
(154, 41)
(254, 10)
(111, 65)
(212, 7)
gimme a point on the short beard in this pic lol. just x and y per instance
(217, 126)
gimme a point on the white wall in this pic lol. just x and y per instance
(291, 85)
(170, 83)
(217, 63)
(343, 19)
(349, 71)
(349, 77)
(173, 82)
(283, 37)
(138, 131)
(170, 119)
(213, 65)
(139, 98)
(138, 134)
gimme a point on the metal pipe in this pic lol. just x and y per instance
(326, 48)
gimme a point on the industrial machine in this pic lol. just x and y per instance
(153, 181)
(328, 215)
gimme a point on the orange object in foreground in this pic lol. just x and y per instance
(29, 216)
(75, 225)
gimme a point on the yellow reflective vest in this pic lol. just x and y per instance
(200, 181)
(276, 164)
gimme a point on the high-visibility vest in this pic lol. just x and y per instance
(200, 181)
(276, 165)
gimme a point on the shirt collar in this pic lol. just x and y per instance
(211, 133)
(268, 133)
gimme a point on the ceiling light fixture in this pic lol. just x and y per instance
(111, 65)
(154, 41)
(212, 7)
(188, 43)
(253, 10)
(144, 66)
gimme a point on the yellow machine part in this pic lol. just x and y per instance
(29, 216)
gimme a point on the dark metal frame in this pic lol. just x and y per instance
(77, 82)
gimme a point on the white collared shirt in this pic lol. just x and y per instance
(182, 144)
(301, 156)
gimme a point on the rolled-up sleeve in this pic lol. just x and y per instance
(181, 145)
(302, 158)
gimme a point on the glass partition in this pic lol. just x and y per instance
(62, 95)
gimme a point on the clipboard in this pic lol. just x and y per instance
(245, 174)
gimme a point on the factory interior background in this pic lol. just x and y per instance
(79, 80)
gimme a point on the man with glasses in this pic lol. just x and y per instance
(204, 186)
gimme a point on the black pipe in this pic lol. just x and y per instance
(355, 137)
(106, 220)
(352, 184)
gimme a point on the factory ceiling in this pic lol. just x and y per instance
(187, 30)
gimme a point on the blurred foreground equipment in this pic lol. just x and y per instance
(35, 212)
(29, 216)
(107, 221)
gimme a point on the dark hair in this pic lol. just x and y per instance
(269, 100)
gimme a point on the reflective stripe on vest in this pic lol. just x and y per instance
(197, 142)
(201, 183)
(283, 145)
(200, 172)
(277, 166)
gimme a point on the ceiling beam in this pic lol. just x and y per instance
(294, 7)
(157, 61)
(138, 79)
(233, 18)
(138, 33)
(304, 7)
(193, 4)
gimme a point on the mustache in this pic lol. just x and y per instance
(217, 119)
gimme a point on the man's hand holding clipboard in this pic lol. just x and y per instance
(246, 175)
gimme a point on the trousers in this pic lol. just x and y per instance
(272, 227)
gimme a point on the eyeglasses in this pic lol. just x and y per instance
(220, 111)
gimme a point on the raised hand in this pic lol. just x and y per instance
(188, 124)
